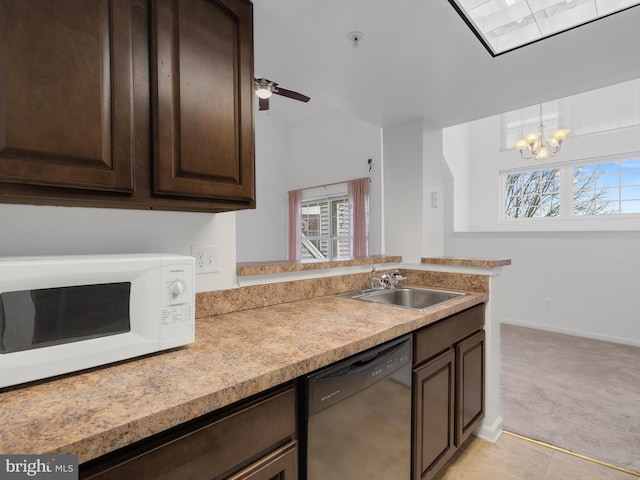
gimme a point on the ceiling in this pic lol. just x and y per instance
(418, 59)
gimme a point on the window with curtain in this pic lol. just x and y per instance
(325, 228)
(330, 221)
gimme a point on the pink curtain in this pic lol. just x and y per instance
(295, 224)
(359, 203)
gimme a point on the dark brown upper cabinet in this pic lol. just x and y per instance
(140, 104)
(66, 94)
(202, 99)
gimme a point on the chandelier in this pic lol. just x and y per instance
(535, 145)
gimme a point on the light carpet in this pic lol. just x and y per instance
(578, 394)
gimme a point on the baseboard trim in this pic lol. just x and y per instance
(490, 433)
(569, 452)
(568, 331)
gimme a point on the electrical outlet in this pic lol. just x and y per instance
(206, 257)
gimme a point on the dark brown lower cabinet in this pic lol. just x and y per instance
(448, 388)
(254, 440)
(280, 465)
(434, 390)
(470, 385)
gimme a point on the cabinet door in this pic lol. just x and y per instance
(433, 387)
(202, 78)
(279, 465)
(66, 94)
(470, 385)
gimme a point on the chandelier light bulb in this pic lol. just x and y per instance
(521, 144)
(560, 134)
(542, 154)
(531, 138)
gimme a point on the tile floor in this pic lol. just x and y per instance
(514, 458)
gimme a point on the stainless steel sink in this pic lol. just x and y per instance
(416, 298)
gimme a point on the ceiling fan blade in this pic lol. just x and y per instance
(291, 94)
(263, 104)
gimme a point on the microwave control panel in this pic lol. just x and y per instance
(178, 296)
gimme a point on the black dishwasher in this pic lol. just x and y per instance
(356, 421)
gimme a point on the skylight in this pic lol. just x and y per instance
(503, 25)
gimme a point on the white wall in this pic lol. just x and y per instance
(414, 172)
(580, 283)
(403, 185)
(289, 157)
(261, 234)
(434, 169)
(42, 230)
(336, 149)
(577, 282)
(456, 142)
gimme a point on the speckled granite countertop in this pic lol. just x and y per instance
(265, 268)
(235, 356)
(467, 262)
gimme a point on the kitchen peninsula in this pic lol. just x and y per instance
(241, 349)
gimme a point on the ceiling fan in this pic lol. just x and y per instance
(265, 88)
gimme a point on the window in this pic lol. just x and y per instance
(325, 228)
(610, 187)
(532, 194)
(606, 188)
(329, 221)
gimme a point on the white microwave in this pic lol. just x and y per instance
(61, 314)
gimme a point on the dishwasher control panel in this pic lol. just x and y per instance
(341, 380)
(391, 364)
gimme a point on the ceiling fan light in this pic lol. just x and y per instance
(263, 92)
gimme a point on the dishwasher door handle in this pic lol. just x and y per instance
(358, 366)
(347, 378)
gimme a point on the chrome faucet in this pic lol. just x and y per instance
(385, 279)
